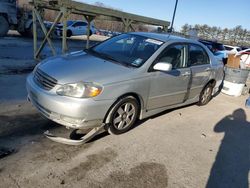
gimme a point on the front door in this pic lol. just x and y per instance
(169, 88)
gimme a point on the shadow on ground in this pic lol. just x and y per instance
(24, 125)
(232, 163)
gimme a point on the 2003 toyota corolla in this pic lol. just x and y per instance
(128, 77)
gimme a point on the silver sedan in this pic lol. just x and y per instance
(128, 77)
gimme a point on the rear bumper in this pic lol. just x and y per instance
(67, 111)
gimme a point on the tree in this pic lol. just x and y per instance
(185, 28)
(235, 36)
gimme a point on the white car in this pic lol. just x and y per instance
(232, 49)
(245, 58)
(76, 28)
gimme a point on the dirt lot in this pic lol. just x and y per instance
(187, 147)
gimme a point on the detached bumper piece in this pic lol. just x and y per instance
(91, 134)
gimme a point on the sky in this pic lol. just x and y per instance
(220, 13)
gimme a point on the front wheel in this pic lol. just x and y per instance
(123, 115)
(206, 95)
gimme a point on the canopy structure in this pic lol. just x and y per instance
(90, 12)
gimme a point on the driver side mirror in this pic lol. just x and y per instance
(162, 66)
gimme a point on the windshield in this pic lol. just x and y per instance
(127, 49)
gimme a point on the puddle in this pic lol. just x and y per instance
(4, 152)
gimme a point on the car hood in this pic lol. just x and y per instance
(81, 66)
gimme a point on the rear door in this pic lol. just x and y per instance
(169, 88)
(199, 62)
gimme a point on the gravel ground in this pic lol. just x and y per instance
(190, 147)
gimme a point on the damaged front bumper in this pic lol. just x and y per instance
(82, 140)
(70, 112)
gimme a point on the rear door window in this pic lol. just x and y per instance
(197, 56)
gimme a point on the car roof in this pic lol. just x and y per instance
(164, 37)
(209, 42)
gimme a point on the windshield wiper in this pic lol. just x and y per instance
(107, 57)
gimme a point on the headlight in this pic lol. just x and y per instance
(80, 90)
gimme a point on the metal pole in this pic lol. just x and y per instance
(172, 23)
(34, 33)
(64, 31)
(88, 31)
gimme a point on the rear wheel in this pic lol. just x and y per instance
(4, 26)
(206, 94)
(123, 115)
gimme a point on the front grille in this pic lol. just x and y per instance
(43, 80)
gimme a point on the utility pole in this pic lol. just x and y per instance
(172, 23)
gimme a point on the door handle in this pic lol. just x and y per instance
(185, 74)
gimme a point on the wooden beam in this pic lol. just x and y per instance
(66, 13)
(46, 35)
(91, 10)
(34, 33)
(127, 24)
(89, 20)
(66, 7)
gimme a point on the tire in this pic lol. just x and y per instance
(27, 33)
(69, 33)
(4, 26)
(205, 95)
(123, 115)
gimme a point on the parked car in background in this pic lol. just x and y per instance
(127, 77)
(217, 49)
(107, 33)
(76, 28)
(232, 49)
(245, 58)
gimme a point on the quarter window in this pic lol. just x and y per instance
(197, 56)
(174, 55)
